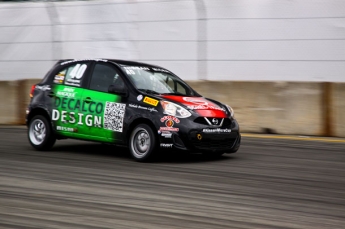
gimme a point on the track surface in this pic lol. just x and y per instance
(267, 184)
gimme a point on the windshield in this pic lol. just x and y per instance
(156, 81)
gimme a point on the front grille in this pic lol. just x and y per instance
(202, 120)
(227, 122)
(211, 144)
(212, 141)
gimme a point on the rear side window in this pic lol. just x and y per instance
(72, 75)
(103, 76)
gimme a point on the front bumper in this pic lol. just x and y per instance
(229, 142)
(200, 138)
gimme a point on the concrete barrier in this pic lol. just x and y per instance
(338, 109)
(24, 87)
(260, 107)
(14, 100)
(284, 108)
(8, 102)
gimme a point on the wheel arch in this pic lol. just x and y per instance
(38, 111)
(138, 121)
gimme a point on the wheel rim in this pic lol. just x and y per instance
(37, 132)
(140, 142)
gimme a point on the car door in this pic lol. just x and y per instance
(105, 113)
(65, 98)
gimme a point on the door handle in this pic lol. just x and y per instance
(87, 100)
(51, 94)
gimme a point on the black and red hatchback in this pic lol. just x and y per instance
(142, 106)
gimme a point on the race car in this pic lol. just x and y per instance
(142, 106)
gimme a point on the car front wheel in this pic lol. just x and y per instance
(40, 134)
(142, 143)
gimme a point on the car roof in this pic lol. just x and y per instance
(117, 61)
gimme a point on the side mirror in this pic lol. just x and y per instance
(119, 89)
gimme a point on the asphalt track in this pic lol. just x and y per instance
(269, 183)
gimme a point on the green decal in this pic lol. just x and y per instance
(90, 114)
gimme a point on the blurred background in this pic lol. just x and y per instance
(278, 63)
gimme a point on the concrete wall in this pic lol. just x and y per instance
(297, 108)
(285, 107)
(14, 100)
(338, 109)
(8, 102)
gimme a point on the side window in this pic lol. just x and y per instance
(170, 82)
(103, 76)
(71, 75)
(181, 89)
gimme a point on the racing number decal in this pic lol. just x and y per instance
(75, 75)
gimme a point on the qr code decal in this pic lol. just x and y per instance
(113, 116)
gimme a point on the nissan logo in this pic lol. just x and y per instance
(215, 121)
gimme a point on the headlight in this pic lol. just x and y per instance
(173, 109)
(231, 111)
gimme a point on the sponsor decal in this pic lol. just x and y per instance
(148, 100)
(169, 123)
(77, 104)
(136, 68)
(58, 81)
(164, 145)
(76, 60)
(196, 101)
(202, 107)
(68, 129)
(160, 70)
(166, 134)
(165, 118)
(169, 129)
(130, 69)
(113, 116)
(43, 88)
(217, 130)
(140, 97)
(60, 76)
(72, 116)
(66, 92)
(151, 109)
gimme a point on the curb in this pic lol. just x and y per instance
(294, 137)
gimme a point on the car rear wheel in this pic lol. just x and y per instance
(142, 143)
(40, 133)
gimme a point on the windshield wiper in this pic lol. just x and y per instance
(149, 91)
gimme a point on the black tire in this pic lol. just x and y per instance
(40, 133)
(142, 143)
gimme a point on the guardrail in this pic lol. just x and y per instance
(302, 108)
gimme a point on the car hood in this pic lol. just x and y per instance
(200, 105)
